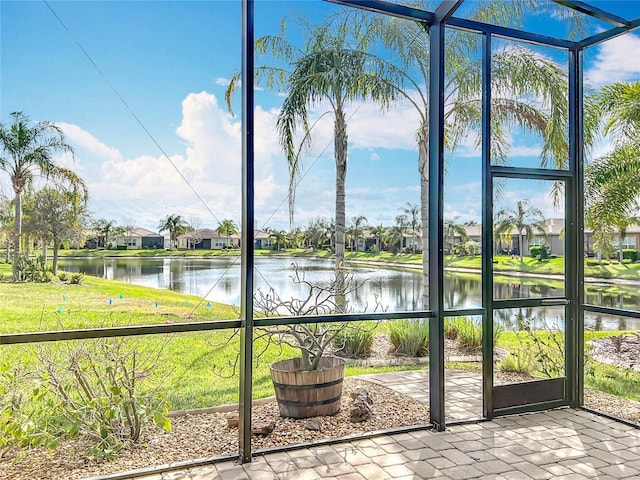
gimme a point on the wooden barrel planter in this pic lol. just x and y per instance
(303, 394)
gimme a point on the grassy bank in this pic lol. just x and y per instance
(502, 263)
(189, 361)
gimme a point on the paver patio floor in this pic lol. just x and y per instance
(558, 444)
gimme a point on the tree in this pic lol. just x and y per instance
(104, 229)
(334, 68)
(55, 216)
(6, 223)
(398, 231)
(228, 228)
(359, 223)
(525, 220)
(316, 233)
(27, 150)
(128, 226)
(280, 239)
(453, 228)
(528, 91)
(381, 234)
(412, 211)
(612, 182)
(193, 228)
(175, 225)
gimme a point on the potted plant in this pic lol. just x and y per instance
(310, 385)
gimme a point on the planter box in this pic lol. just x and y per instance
(303, 394)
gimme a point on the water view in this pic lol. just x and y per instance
(218, 280)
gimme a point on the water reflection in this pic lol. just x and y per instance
(218, 280)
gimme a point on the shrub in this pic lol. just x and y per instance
(356, 340)
(63, 276)
(451, 328)
(103, 389)
(630, 254)
(539, 252)
(410, 337)
(516, 362)
(76, 278)
(468, 332)
(34, 270)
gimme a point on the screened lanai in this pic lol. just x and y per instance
(490, 84)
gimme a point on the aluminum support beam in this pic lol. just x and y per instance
(246, 292)
(436, 234)
(487, 234)
(388, 8)
(574, 274)
(594, 12)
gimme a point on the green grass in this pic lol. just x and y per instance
(552, 266)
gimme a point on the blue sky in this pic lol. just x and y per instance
(171, 61)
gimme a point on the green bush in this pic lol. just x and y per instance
(516, 362)
(468, 332)
(76, 278)
(539, 252)
(410, 337)
(630, 254)
(356, 340)
(63, 276)
(34, 270)
(102, 389)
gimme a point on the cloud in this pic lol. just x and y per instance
(224, 82)
(81, 138)
(615, 61)
(203, 180)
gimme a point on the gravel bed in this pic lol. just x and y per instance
(207, 435)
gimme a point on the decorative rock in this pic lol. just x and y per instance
(233, 419)
(361, 392)
(314, 424)
(262, 427)
(361, 410)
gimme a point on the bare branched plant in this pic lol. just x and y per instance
(312, 339)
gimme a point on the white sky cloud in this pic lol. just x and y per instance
(616, 60)
(148, 187)
(85, 140)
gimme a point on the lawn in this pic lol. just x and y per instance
(194, 367)
(504, 263)
(552, 266)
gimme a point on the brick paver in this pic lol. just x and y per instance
(558, 444)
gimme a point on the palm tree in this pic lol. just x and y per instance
(620, 103)
(280, 238)
(412, 211)
(175, 225)
(612, 182)
(227, 227)
(525, 220)
(359, 223)
(528, 91)
(334, 68)
(381, 234)
(27, 150)
(453, 228)
(398, 230)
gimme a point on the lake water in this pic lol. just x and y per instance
(218, 280)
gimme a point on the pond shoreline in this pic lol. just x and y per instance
(374, 263)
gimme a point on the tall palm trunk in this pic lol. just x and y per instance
(340, 145)
(17, 234)
(423, 168)
(340, 153)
